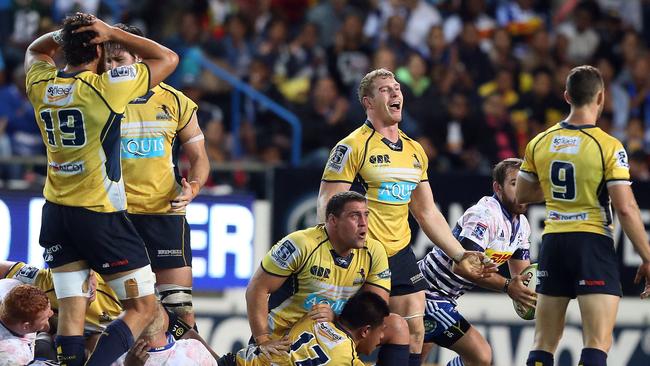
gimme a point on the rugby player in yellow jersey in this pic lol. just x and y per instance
(576, 168)
(84, 225)
(359, 329)
(393, 170)
(315, 271)
(155, 126)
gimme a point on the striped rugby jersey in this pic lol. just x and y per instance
(492, 230)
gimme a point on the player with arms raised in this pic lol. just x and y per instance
(393, 170)
(575, 168)
(156, 125)
(496, 226)
(84, 225)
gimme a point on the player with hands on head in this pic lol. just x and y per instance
(392, 168)
(84, 224)
(156, 125)
(496, 226)
(577, 169)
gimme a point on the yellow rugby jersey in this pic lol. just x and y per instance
(99, 313)
(79, 117)
(150, 148)
(318, 275)
(389, 173)
(312, 343)
(574, 165)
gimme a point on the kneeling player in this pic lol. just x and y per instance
(494, 225)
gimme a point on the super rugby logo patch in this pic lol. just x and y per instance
(122, 73)
(338, 157)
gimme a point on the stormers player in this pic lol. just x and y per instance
(358, 329)
(315, 271)
(575, 168)
(494, 225)
(84, 225)
(393, 170)
(154, 128)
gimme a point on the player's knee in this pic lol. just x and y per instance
(397, 330)
(176, 298)
(482, 355)
(136, 284)
(70, 284)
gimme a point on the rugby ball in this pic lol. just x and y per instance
(530, 280)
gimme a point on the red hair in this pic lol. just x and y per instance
(23, 303)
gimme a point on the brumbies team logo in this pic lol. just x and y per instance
(164, 114)
(58, 94)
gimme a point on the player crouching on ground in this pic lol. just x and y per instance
(359, 329)
(496, 226)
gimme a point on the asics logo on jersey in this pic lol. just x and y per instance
(146, 147)
(396, 191)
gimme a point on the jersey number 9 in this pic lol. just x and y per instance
(563, 180)
(70, 130)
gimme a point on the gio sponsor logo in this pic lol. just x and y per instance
(58, 94)
(565, 144)
(145, 147)
(396, 191)
(67, 168)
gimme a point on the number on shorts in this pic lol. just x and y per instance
(71, 129)
(320, 359)
(563, 180)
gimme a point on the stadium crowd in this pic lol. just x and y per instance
(480, 76)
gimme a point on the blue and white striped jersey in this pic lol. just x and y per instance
(490, 229)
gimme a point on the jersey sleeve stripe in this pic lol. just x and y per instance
(271, 273)
(10, 269)
(376, 285)
(618, 182)
(531, 177)
(189, 120)
(335, 181)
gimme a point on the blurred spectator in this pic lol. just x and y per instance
(395, 38)
(349, 58)
(538, 53)
(631, 49)
(617, 101)
(329, 16)
(384, 58)
(638, 91)
(273, 47)
(502, 85)
(635, 136)
(21, 127)
(236, 47)
(581, 35)
(417, 89)
(473, 11)
(539, 108)
(639, 168)
(499, 140)
(519, 17)
(324, 121)
(306, 58)
(474, 60)
(421, 17)
(500, 53)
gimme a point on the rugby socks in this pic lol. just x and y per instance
(70, 350)
(456, 361)
(415, 359)
(539, 358)
(116, 340)
(592, 357)
(393, 354)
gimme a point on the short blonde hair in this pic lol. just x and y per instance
(365, 86)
